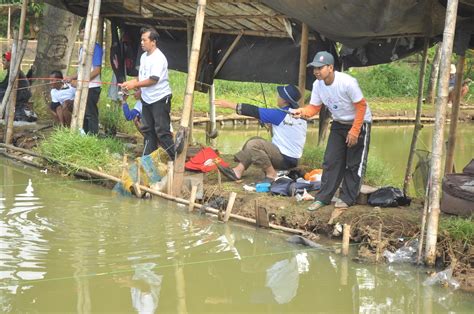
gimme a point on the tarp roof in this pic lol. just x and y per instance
(371, 31)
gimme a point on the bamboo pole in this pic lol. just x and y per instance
(438, 133)
(170, 175)
(188, 96)
(346, 236)
(430, 93)
(303, 62)
(212, 117)
(9, 35)
(17, 56)
(75, 124)
(418, 125)
(87, 57)
(227, 53)
(449, 164)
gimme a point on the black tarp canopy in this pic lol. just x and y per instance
(370, 31)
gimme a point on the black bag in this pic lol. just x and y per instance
(388, 197)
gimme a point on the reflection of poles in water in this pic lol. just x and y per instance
(83, 294)
(180, 289)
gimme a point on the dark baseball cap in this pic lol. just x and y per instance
(322, 58)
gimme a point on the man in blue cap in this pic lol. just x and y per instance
(345, 158)
(289, 136)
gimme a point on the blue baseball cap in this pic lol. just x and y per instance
(322, 58)
(291, 94)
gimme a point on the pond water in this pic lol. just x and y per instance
(69, 246)
(388, 143)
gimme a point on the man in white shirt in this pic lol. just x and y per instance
(346, 153)
(155, 94)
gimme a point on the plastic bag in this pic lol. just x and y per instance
(405, 254)
(444, 277)
(388, 197)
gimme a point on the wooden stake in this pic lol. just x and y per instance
(418, 125)
(431, 91)
(169, 183)
(449, 164)
(212, 116)
(438, 133)
(379, 244)
(188, 96)
(230, 205)
(192, 198)
(9, 36)
(346, 235)
(303, 62)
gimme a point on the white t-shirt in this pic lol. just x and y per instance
(339, 97)
(289, 136)
(61, 95)
(154, 64)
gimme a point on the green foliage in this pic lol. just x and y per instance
(82, 150)
(388, 80)
(377, 173)
(460, 229)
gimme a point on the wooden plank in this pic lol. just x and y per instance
(192, 198)
(230, 206)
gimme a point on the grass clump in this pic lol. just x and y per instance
(81, 150)
(460, 229)
(377, 173)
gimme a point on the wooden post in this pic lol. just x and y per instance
(449, 164)
(438, 133)
(379, 244)
(230, 205)
(192, 198)
(17, 56)
(346, 235)
(430, 93)
(303, 62)
(188, 96)
(9, 35)
(189, 37)
(170, 175)
(418, 125)
(212, 116)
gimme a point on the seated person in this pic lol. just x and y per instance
(23, 93)
(62, 99)
(464, 91)
(289, 136)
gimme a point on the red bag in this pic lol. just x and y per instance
(205, 160)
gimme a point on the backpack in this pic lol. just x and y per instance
(286, 186)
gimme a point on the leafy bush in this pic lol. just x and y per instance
(460, 229)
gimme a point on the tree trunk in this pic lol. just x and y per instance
(430, 93)
(55, 45)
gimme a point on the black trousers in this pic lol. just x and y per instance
(156, 126)
(91, 116)
(345, 164)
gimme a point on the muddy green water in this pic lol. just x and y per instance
(389, 143)
(69, 246)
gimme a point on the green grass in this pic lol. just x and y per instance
(82, 150)
(459, 229)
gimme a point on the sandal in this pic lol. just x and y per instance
(315, 206)
(228, 172)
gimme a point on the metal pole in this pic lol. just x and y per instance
(418, 125)
(438, 134)
(449, 164)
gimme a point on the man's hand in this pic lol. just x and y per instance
(225, 104)
(296, 113)
(128, 85)
(351, 140)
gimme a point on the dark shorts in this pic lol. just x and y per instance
(54, 106)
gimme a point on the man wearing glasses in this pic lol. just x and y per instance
(346, 152)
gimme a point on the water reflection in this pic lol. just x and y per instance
(90, 251)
